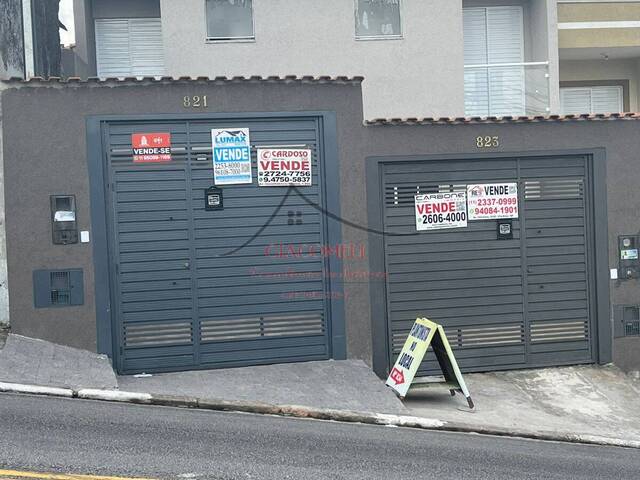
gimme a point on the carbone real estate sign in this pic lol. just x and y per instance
(492, 200)
(231, 156)
(151, 147)
(284, 167)
(410, 357)
(435, 211)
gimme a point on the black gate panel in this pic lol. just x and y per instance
(202, 289)
(510, 303)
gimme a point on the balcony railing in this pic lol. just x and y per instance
(502, 89)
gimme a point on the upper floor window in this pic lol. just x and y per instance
(596, 99)
(229, 19)
(378, 19)
(129, 47)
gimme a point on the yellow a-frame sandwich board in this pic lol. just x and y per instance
(424, 333)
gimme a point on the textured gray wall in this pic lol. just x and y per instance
(418, 75)
(45, 153)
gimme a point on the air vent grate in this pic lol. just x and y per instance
(632, 329)
(60, 288)
(554, 188)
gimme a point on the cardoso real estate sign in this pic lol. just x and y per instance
(231, 156)
(284, 167)
(435, 211)
(492, 201)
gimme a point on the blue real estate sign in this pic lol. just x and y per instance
(231, 156)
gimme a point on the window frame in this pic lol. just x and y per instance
(245, 39)
(624, 84)
(364, 38)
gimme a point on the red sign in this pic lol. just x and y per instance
(151, 147)
(397, 376)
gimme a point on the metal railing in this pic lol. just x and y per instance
(502, 89)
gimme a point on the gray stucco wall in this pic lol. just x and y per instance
(619, 138)
(418, 75)
(36, 168)
(58, 165)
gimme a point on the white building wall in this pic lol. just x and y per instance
(599, 70)
(4, 290)
(418, 75)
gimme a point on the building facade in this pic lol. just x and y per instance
(430, 58)
(132, 257)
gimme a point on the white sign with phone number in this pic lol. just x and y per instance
(284, 167)
(435, 211)
(492, 201)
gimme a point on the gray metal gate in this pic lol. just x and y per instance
(514, 303)
(200, 289)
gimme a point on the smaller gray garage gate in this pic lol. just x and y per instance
(529, 301)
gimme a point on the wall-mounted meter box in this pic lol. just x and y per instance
(628, 260)
(64, 224)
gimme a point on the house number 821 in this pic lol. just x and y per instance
(195, 101)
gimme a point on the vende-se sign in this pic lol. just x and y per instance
(436, 211)
(284, 167)
(151, 147)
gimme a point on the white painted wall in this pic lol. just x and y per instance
(4, 290)
(418, 75)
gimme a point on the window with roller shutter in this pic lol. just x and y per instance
(129, 47)
(597, 99)
(494, 79)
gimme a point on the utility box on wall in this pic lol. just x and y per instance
(64, 224)
(628, 259)
(626, 321)
(58, 288)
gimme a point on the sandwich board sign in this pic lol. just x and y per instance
(424, 333)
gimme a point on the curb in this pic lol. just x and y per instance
(299, 411)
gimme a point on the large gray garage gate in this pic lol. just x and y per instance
(192, 288)
(521, 302)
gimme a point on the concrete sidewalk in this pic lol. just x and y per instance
(338, 385)
(36, 362)
(341, 385)
(589, 404)
(585, 400)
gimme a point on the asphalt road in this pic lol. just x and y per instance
(84, 437)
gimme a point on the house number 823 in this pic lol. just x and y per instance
(195, 101)
(487, 141)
